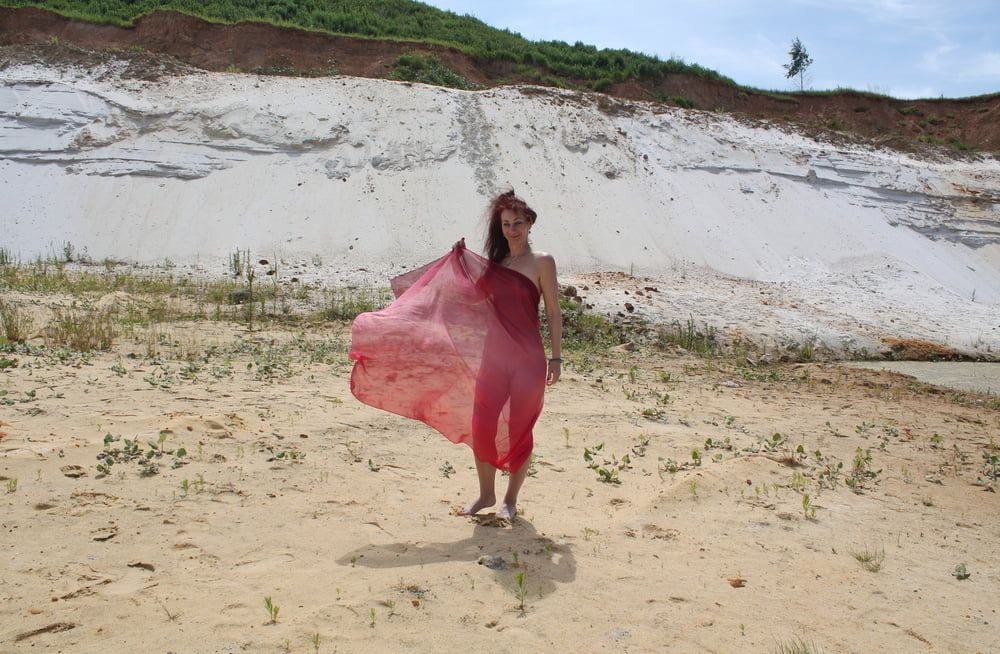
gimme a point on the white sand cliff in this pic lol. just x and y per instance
(751, 228)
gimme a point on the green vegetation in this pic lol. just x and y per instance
(396, 20)
(427, 70)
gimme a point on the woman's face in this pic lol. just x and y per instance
(515, 227)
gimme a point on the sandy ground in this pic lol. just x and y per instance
(292, 490)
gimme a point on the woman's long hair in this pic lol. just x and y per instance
(497, 248)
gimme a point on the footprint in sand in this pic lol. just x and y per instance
(216, 429)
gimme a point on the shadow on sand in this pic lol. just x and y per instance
(543, 562)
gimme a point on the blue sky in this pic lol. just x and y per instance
(904, 48)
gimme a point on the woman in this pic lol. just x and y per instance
(461, 350)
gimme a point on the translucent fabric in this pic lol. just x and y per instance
(461, 350)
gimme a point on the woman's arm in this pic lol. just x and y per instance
(550, 292)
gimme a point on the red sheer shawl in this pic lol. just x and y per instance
(459, 349)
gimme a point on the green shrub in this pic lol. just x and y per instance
(426, 70)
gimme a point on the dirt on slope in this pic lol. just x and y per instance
(959, 125)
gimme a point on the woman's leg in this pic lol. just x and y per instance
(508, 509)
(487, 493)
(526, 398)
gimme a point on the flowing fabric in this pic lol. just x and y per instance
(460, 349)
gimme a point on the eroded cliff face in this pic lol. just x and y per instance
(368, 177)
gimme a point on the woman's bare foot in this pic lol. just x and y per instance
(479, 505)
(507, 512)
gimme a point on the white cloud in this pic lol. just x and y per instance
(933, 59)
(984, 66)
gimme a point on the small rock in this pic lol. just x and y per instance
(618, 634)
(493, 562)
(569, 291)
(629, 307)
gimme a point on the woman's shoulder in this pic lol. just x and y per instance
(544, 256)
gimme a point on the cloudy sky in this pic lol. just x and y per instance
(904, 48)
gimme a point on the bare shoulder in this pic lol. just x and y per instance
(545, 260)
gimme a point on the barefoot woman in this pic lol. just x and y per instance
(461, 349)
(515, 386)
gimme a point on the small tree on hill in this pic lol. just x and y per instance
(800, 61)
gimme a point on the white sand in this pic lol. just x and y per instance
(748, 227)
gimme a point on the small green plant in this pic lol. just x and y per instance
(371, 618)
(936, 440)
(798, 481)
(12, 485)
(315, 641)
(607, 469)
(447, 470)
(990, 472)
(520, 590)
(272, 610)
(862, 474)
(961, 572)
(870, 558)
(808, 508)
(391, 605)
(566, 435)
(911, 110)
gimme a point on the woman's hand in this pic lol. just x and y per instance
(459, 244)
(555, 370)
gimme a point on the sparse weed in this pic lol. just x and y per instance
(82, 331)
(16, 323)
(870, 558)
(796, 646)
(608, 468)
(990, 471)
(520, 589)
(689, 337)
(961, 572)
(272, 610)
(862, 474)
(12, 485)
(344, 304)
(808, 508)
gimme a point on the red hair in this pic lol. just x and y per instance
(497, 247)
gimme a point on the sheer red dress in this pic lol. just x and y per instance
(459, 349)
